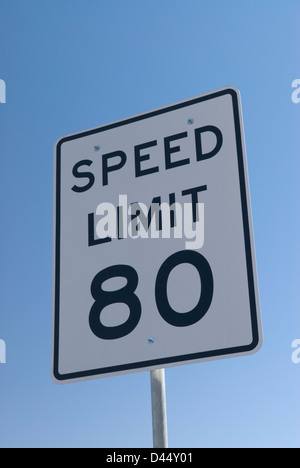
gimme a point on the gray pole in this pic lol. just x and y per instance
(159, 409)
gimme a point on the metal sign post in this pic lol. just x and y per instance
(159, 409)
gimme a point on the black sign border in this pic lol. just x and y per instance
(247, 237)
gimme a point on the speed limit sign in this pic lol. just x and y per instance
(154, 261)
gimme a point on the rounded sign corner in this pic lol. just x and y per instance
(233, 91)
(57, 377)
(256, 344)
(58, 144)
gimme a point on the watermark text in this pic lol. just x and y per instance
(296, 92)
(296, 352)
(136, 220)
(2, 352)
(2, 92)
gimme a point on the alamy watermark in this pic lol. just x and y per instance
(296, 343)
(137, 221)
(2, 101)
(296, 352)
(2, 92)
(296, 92)
(2, 352)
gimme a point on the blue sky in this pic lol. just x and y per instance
(72, 65)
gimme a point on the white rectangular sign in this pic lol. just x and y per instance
(154, 255)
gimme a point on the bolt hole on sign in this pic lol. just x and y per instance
(154, 261)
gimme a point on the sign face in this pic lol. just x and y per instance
(154, 261)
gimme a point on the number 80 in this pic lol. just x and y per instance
(126, 295)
